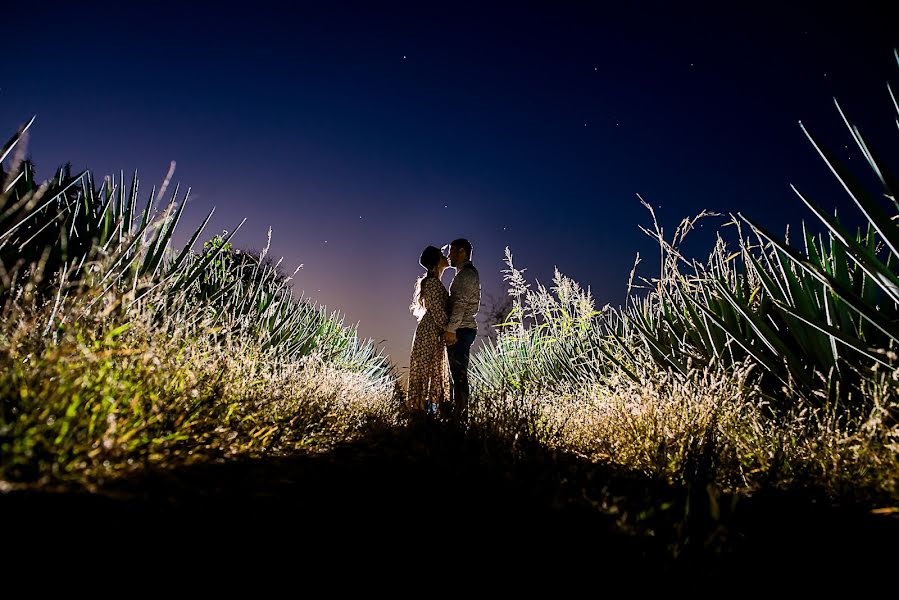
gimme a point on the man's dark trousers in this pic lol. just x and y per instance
(458, 362)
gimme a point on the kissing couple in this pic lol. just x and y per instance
(445, 332)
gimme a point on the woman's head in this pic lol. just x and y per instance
(433, 260)
(432, 257)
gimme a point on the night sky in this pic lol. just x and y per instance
(363, 132)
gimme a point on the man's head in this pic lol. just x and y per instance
(459, 252)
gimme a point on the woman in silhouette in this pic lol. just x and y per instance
(428, 373)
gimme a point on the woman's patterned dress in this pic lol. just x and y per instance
(428, 372)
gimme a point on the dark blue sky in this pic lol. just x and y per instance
(362, 132)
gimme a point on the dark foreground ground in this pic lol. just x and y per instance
(429, 502)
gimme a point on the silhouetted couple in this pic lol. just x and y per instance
(445, 332)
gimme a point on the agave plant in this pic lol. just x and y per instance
(68, 235)
(821, 320)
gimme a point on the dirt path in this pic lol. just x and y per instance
(426, 495)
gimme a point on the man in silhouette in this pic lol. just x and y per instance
(461, 329)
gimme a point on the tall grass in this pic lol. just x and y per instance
(119, 348)
(785, 356)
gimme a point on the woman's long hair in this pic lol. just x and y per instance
(418, 307)
(430, 258)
